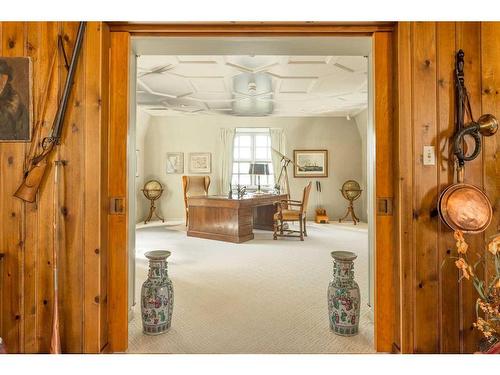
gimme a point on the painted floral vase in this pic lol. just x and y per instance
(157, 295)
(343, 295)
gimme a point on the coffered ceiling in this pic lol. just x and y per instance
(256, 85)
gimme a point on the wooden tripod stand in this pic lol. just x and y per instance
(284, 170)
(284, 164)
(350, 211)
(153, 211)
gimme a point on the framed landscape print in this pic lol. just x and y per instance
(200, 162)
(310, 163)
(15, 99)
(175, 162)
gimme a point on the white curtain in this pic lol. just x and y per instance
(226, 141)
(278, 143)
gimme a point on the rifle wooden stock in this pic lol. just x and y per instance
(31, 182)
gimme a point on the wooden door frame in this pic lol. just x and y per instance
(386, 309)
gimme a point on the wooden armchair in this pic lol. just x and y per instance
(194, 186)
(285, 211)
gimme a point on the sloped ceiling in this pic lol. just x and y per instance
(301, 86)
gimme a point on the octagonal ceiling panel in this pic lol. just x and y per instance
(167, 84)
(300, 85)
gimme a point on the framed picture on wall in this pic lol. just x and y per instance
(200, 162)
(175, 162)
(310, 163)
(15, 99)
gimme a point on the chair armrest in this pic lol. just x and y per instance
(295, 204)
(286, 202)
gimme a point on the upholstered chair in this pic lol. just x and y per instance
(193, 186)
(292, 210)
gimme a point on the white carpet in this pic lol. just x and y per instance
(262, 296)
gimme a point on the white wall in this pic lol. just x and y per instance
(200, 134)
(362, 123)
(142, 125)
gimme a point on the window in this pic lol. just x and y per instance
(251, 146)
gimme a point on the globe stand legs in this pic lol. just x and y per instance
(152, 211)
(350, 211)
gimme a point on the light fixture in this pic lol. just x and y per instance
(252, 93)
(252, 88)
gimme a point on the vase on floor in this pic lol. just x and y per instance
(343, 295)
(157, 295)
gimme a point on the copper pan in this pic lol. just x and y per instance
(465, 207)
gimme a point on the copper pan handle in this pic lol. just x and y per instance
(460, 174)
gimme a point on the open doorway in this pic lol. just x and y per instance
(264, 295)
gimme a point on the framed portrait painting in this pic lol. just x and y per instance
(310, 163)
(200, 162)
(15, 99)
(175, 162)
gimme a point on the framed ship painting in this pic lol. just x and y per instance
(310, 163)
(15, 99)
(200, 162)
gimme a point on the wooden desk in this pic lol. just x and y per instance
(231, 220)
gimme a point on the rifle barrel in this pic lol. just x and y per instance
(63, 104)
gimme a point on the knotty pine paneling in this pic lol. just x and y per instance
(71, 210)
(436, 312)
(448, 308)
(11, 223)
(424, 85)
(490, 101)
(469, 39)
(44, 206)
(26, 230)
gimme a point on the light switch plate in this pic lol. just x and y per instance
(429, 155)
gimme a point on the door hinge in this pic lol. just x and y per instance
(117, 206)
(384, 206)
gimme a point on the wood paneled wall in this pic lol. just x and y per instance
(26, 230)
(436, 312)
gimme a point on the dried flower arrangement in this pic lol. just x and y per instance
(488, 303)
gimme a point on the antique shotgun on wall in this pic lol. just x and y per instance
(37, 166)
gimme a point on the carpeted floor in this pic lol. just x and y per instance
(262, 296)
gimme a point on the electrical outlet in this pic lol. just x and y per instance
(429, 155)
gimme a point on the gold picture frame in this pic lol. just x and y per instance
(310, 163)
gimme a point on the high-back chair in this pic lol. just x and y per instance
(285, 211)
(194, 186)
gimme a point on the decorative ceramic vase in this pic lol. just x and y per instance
(343, 295)
(157, 295)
